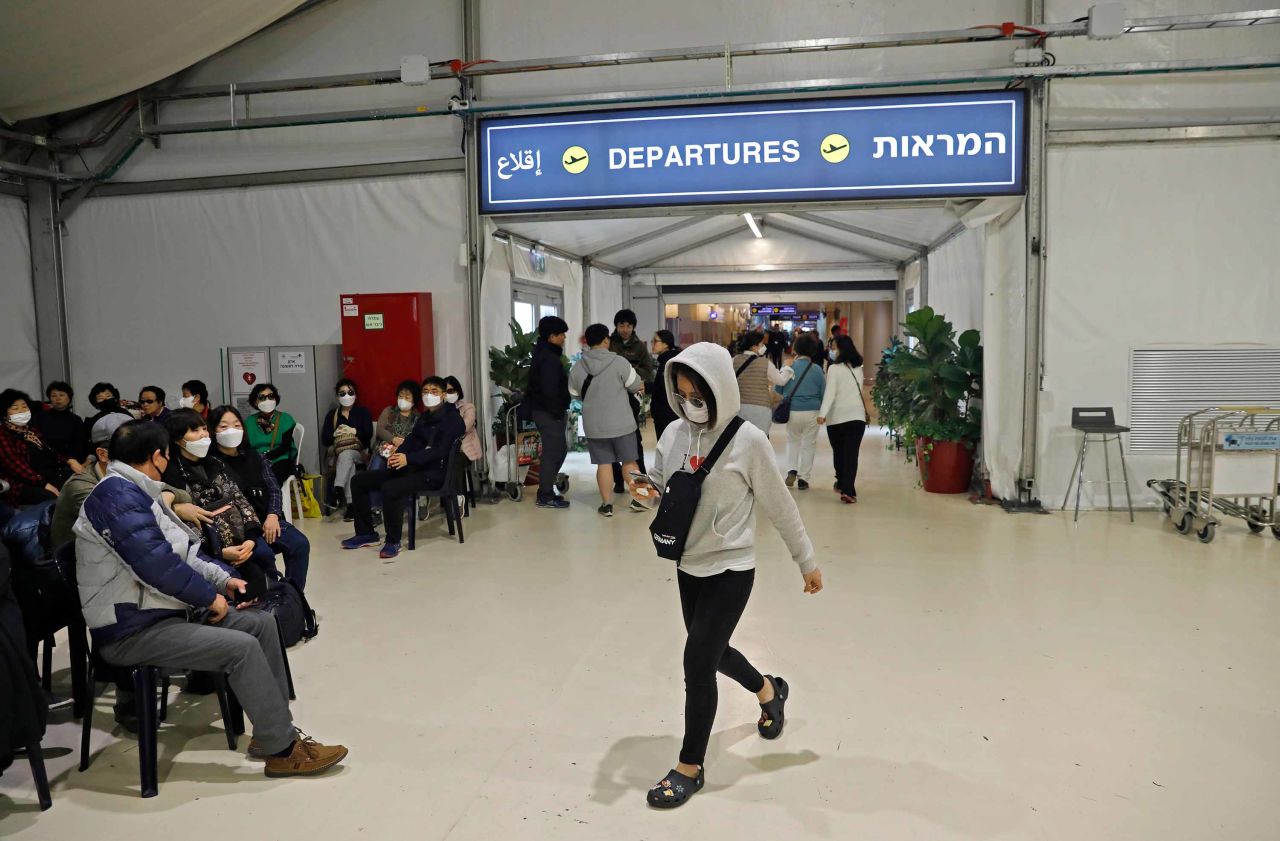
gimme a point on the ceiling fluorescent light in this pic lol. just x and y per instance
(751, 223)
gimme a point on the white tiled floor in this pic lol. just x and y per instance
(967, 674)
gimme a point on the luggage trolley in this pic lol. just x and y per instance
(1228, 463)
(523, 449)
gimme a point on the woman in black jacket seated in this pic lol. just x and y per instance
(347, 435)
(212, 486)
(547, 402)
(256, 479)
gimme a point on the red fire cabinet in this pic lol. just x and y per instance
(386, 338)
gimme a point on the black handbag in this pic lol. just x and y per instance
(292, 610)
(782, 412)
(670, 526)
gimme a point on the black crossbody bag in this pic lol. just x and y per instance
(670, 526)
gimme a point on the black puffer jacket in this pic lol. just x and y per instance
(548, 380)
(23, 709)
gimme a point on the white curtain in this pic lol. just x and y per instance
(956, 278)
(606, 299)
(1154, 244)
(1003, 337)
(156, 285)
(19, 352)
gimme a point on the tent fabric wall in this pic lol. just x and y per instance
(19, 350)
(156, 285)
(605, 298)
(1003, 341)
(1171, 244)
(956, 279)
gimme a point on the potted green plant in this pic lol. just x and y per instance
(509, 372)
(891, 395)
(944, 373)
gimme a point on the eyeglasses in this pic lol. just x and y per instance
(346, 393)
(451, 391)
(266, 395)
(695, 402)
(148, 402)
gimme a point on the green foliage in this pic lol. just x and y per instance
(509, 370)
(942, 374)
(891, 394)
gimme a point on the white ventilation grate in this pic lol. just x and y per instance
(1167, 384)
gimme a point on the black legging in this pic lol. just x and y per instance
(555, 448)
(712, 607)
(846, 440)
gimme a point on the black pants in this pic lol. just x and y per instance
(555, 447)
(846, 440)
(282, 470)
(397, 488)
(712, 607)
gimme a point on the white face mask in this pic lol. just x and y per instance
(20, 419)
(431, 400)
(404, 405)
(187, 403)
(347, 400)
(833, 355)
(267, 407)
(760, 350)
(451, 398)
(231, 437)
(696, 415)
(199, 447)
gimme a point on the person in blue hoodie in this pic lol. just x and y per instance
(805, 391)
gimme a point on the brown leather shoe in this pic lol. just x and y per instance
(308, 758)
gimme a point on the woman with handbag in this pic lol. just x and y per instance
(801, 400)
(270, 431)
(756, 377)
(347, 434)
(253, 475)
(711, 472)
(844, 412)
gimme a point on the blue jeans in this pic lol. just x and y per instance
(22, 533)
(295, 547)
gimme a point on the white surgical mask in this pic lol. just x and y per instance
(347, 400)
(696, 415)
(451, 398)
(431, 400)
(267, 407)
(187, 403)
(833, 355)
(231, 437)
(20, 419)
(404, 405)
(199, 447)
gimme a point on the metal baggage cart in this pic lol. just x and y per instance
(517, 451)
(1228, 465)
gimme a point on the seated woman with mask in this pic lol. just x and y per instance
(471, 440)
(253, 475)
(235, 525)
(346, 435)
(34, 471)
(270, 431)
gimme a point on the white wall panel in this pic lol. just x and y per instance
(1158, 244)
(956, 280)
(19, 351)
(1003, 346)
(605, 300)
(157, 284)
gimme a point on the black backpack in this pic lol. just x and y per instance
(297, 621)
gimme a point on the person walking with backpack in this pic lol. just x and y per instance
(711, 472)
(802, 397)
(605, 381)
(844, 412)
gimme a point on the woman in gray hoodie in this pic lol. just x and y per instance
(717, 568)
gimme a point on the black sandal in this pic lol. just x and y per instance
(676, 789)
(772, 716)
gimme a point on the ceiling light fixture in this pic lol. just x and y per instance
(751, 223)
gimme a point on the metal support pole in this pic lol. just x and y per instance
(586, 293)
(47, 279)
(626, 290)
(475, 226)
(923, 297)
(1033, 363)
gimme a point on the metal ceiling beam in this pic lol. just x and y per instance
(955, 231)
(551, 249)
(1161, 134)
(794, 230)
(718, 210)
(12, 189)
(734, 231)
(682, 225)
(867, 233)
(764, 267)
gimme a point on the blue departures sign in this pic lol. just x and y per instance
(965, 144)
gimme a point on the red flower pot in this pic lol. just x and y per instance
(946, 467)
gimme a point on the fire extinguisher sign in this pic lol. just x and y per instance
(373, 321)
(350, 308)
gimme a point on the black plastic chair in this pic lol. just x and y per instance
(455, 485)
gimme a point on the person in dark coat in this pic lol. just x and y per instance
(61, 428)
(664, 349)
(547, 399)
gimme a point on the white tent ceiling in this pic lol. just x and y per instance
(56, 55)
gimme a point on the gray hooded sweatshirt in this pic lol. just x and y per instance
(723, 534)
(606, 411)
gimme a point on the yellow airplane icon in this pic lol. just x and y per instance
(575, 159)
(834, 148)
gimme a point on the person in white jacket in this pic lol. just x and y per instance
(844, 412)
(717, 567)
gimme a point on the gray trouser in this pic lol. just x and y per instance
(348, 461)
(555, 447)
(244, 646)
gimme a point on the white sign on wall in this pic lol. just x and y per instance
(247, 369)
(291, 362)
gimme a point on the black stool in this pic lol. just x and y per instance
(1099, 426)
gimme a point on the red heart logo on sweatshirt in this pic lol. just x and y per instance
(695, 462)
